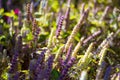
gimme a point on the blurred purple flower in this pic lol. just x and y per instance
(40, 59)
(16, 11)
(49, 66)
(14, 63)
(103, 64)
(37, 3)
(40, 72)
(68, 54)
(20, 19)
(107, 73)
(67, 14)
(16, 77)
(65, 70)
(59, 25)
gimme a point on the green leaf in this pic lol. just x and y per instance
(29, 36)
(54, 5)
(1, 11)
(2, 38)
(10, 14)
(42, 38)
(54, 74)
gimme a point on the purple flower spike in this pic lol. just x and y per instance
(68, 54)
(20, 19)
(65, 70)
(40, 72)
(16, 77)
(107, 73)
(40, 59)
(67, 15)
(38, 31)
(68, 10)
(13, 63)
(16, 11)
(71, 62)
(49, 66)
(59, 25)
(19, 44)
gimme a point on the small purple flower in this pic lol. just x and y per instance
(43, 72)
(100, 70)
(16, 11)
(40, 72)
(59, 26)
(16, 77)
(49, 66)
(65, 70)
(14, 63)
(68, 54)
(103, 64)
(38, 31)
(35, 30)
(71, 61)
(40, 59)
(20, 19)
(92, 36)
(107, 73)
(67, 14)
(36, 4)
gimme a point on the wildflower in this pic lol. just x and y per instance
(92, 36)
(40, 59)
(67, 14)
(100, 70)
(51, 38)
(65, 70)
(78, 46)
(76, 29)
(20, 20)
(105, 13)
(16, 11)
(49, 66)
(59, 26)
(107, 73)
(68, 56)
(14, 63)
(16, 77)
(29, 12)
